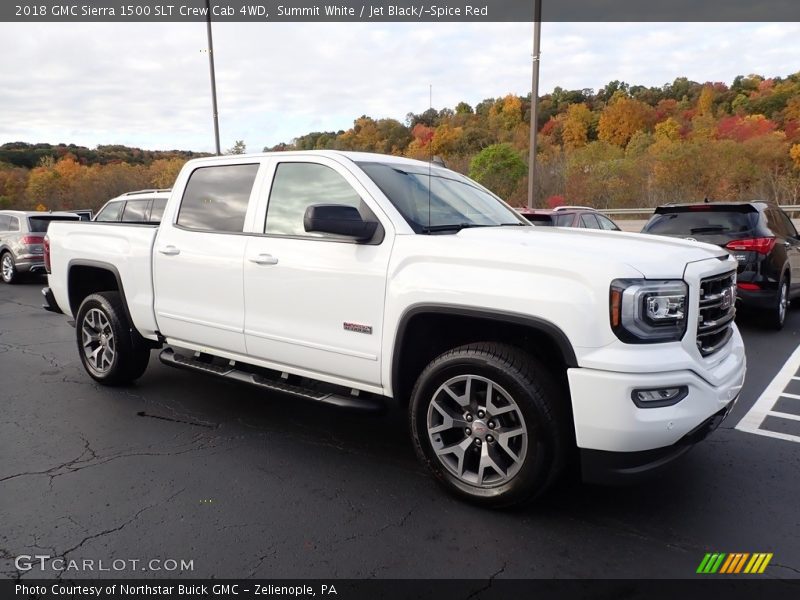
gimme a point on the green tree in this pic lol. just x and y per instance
(499, 167)
(239, 147)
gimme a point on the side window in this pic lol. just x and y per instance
(606, 223)
(4, 222)
(135, 211)
(564, 220)
(13, 224)
(111, 212)
(589, 221)
(216, 198)
(776, 226)
(297, 186)
(157, 210)
(787, 224)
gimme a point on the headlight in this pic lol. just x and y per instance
(645, 311)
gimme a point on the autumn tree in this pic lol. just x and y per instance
(576, 125)
(163, 172)
(622, 118)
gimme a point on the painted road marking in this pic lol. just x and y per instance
(753, 421)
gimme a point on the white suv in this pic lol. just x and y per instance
(144, 206)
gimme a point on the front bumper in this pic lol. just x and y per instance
(599, 466)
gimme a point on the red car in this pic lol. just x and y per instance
(569, 216)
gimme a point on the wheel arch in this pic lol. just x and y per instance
(426, 330)
(87, 277)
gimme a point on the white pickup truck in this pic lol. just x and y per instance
(353, 278)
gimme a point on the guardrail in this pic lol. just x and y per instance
(789, 208)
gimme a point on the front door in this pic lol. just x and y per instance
(314, 302)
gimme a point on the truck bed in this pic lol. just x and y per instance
(124, 248)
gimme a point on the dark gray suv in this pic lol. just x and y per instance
(21, 241)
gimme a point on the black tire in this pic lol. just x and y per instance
(8, 275)
(541, 408)
(776, 317)
(127, 359)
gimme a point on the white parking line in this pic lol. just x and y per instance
(763, 407)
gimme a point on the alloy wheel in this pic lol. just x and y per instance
(477, 431)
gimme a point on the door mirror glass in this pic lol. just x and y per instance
(338, 219)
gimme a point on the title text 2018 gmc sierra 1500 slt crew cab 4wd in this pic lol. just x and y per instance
(349, 278)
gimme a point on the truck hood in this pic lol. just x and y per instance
(655, 257)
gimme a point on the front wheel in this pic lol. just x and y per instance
(105, 343)
(488, 421)
(8, 269)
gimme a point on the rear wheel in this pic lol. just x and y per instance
(488, 421)
(105, 341)
(8, 269)
(777, 314)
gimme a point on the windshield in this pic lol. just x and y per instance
(437, 199)
(40, 224)
(691, 222)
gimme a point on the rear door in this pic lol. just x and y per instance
(786, 235)
(315, 301)
(197, 259)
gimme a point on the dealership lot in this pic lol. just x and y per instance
(183, 467)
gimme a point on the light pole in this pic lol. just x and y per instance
(213, 76)
(537, 34)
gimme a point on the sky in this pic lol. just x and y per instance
(147, 84)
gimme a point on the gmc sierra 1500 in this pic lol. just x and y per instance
(351, 278)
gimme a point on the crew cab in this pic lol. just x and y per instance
(353, 279)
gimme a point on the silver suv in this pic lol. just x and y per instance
(144, 206)
(21, 241)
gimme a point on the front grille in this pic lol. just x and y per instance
(717, 310)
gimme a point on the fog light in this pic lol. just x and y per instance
(659, 397)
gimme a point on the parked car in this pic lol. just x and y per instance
(144, 206)
(86, 214)
(570, 216)
(758, 234)
(21, 237)
(352, 279)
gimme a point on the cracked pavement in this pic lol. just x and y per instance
(250, 484)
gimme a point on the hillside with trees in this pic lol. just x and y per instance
(621, 146)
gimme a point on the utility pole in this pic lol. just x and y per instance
(213, 76)
(537, 34)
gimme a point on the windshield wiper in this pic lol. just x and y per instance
(710, 229)
(451, 227)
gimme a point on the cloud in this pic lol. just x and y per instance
(146, 84)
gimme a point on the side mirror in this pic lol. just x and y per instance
(338, 219)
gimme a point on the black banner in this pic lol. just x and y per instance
(730, 588)
(67, 11)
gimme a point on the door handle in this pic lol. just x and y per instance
(170, 250)
(264, 259)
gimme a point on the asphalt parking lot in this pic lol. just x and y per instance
(246, 484)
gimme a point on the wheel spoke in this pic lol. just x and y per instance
(488, 462)
(451, 419)
(504, 438)
(458, 450)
